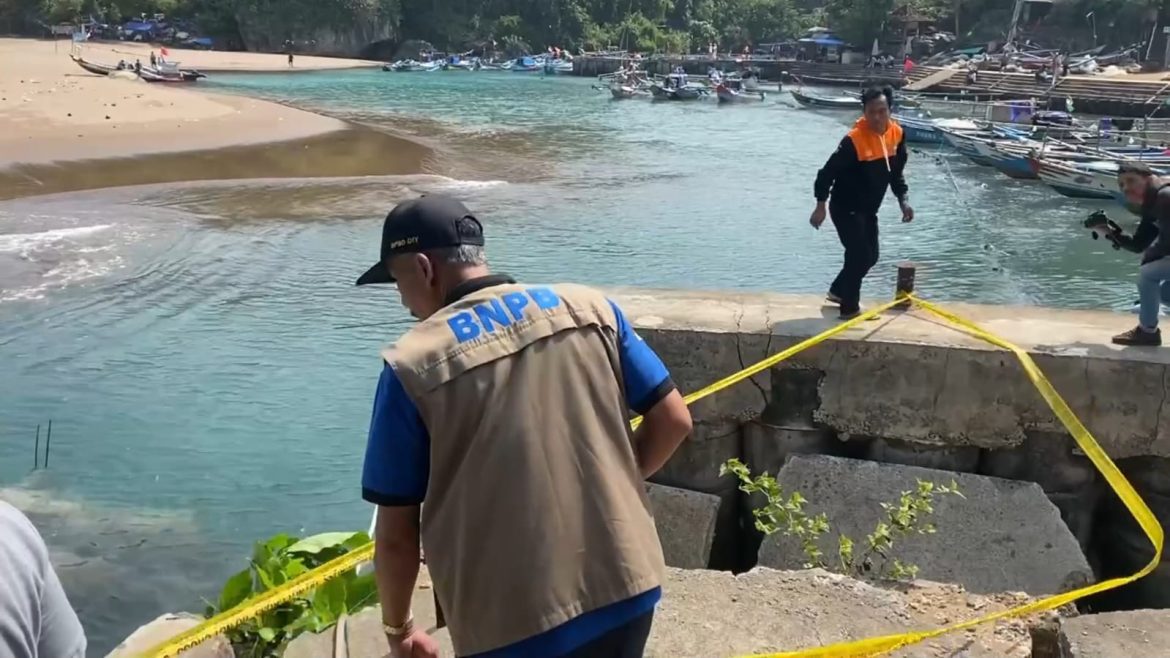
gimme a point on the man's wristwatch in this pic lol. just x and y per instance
(399, 631)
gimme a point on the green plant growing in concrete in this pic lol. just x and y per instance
(279, 560)
(873, 558)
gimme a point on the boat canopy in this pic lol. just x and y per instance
(824, 40)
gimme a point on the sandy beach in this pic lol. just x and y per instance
(55, 111)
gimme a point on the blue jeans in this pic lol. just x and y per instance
(1153, 290)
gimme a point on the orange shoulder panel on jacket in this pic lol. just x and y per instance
(871, 146)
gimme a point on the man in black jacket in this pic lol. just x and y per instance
(869, 160)
(1152, 240)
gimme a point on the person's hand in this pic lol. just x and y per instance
(416, 644)
(907, 213)
(818, 216)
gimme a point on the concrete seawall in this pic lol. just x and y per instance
(909, 389)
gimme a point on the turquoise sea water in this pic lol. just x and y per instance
(188, 340)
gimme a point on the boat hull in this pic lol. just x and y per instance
(825, 103)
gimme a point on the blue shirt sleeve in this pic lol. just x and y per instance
(647, 381)
(398, 460)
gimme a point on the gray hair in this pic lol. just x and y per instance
(468, 254)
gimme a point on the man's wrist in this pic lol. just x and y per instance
(821, 203)
(399, 631)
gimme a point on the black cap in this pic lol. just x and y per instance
(422, 224)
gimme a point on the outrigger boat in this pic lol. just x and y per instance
(828, 102)
(164, 72)
(727, 92)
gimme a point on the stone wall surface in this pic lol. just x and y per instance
(709, 614)
(1133, 634)
(1001, 536)
(910, 389)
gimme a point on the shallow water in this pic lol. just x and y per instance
(185, 338)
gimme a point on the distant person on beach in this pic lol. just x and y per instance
(138, 66)
(501, 431)
(290, 60)
(1152, 240)
(36, 620)
(153, 60)
(869, 160)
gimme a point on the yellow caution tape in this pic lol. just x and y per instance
(254, 607)
(1120, 485)
(309, 581)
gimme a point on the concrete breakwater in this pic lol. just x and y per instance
(854, 420)
(909, 390)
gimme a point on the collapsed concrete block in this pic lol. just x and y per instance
(1003, 536)
(695, 465)
(686, 524)
(166, 627)
(766, 447)
(710, 614)
(1130, 634)
(716, 614)
(962, 459)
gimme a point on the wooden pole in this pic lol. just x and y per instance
(37, 449)
(905, 285)
(48, 437)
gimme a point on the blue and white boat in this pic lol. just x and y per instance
(526, 65)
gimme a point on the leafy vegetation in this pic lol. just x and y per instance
(279, 560)
(872, 558)
(645, 25)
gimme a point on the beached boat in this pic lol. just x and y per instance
(96, 69)
(727, 93)
(825, 102)
(154, 76)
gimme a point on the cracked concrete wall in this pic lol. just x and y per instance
(909, 389)
(911, 378)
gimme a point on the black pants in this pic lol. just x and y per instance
(859, 235)
(628, 641)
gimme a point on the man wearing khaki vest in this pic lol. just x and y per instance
(505, 410)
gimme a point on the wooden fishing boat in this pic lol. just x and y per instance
(727, 93)
(686, 93)
(96, 69)
(825, 102)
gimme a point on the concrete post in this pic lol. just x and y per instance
(905, 285)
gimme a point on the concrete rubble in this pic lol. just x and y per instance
(686, 524)
(711, 614)
(1005, 535)
(168, 626)
(1132, 634)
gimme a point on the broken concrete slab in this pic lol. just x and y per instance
(686, 524)
(166, 627)
(712, 614)
(716, 614)
(1004, 535)
(1130, 634)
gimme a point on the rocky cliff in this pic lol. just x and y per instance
(344, 28)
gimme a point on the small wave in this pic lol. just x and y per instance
(454, 184)
(24, 243)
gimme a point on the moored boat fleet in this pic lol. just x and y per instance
(544, 64)
(630, 83)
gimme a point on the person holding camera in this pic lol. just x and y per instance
(1152, 240)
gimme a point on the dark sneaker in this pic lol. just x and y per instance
(833, 299)
(1139, 337)
(849, 314)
